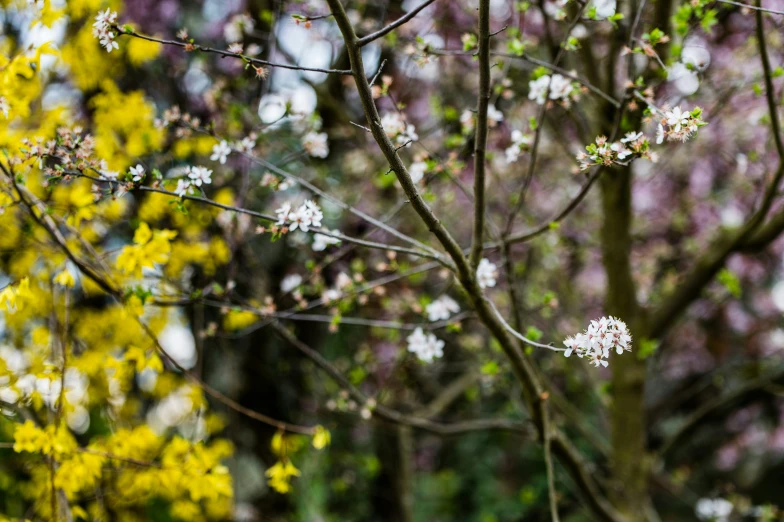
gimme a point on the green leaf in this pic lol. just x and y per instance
(490, 368)
(533, 333)
(730, 281)
(647, 347)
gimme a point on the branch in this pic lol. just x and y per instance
(394, 416)
(753, 235)
(715, 404)
(220, 397)
(522, 368)
(268, 217)
(394, 25)
(540, 126)
(480, 140)
(539, 63)
(752, 7)
(196, 47)
(770, 92)
(47, 222)
(548, 225)
(548, 462)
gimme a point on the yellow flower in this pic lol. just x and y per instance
(280, 476)
(321, 437)
(12, 298)
(150, 248)
(140, 51)
(28, 437)
(64, 278)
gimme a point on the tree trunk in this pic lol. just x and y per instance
(629, 463)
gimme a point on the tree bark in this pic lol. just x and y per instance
(629, 462)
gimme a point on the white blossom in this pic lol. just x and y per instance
(343, 281)
(604, 8)
(603, 153)
(307, 215)
(601, 337)
(486, 273)
(238, 25)
(686, 80)
(398, 130)
(330, 295)
(246, 144)
(442, 308)
(283, 213)
(467, 121)
(679, 125)
(425, 346)
(520, 142)
(290, 282)
(200, 175)
(714, 510)
(537, 89)
(137, 172)
(321, 242)
(659, 134)
(631, 136)
(183, 187)
(561, 88)
(220, 151)
(696, 56)
(102, 29)
(494, 116)
(315, 144)
(417, 171)
(4, 108)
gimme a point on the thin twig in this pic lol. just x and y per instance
(196, 47)
(394, 25)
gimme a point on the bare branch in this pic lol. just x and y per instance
(480, 138)
(394, 25)
(256, 61)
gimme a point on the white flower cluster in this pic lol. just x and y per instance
(220, 152)
(426, 346)
(561, 88)
(342, 282)
(290, 282)
(417, 171)
(19, 384)
(315, 144)
(239, 25)
(195, 177)
(442, 308)
(486, 273)
(178, 410)
(695, 58)
(633, 145)
(246, 144)
(136, 173)
(604, 8)
(4, 108)
(714, 509)
(599, 339)
(556, 9)
(678, 125)
(494, 116)
(321, 242)
(520, 143)
(102, 29)
(307, 215)
(397, 129)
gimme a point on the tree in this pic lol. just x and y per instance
(328, 243)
